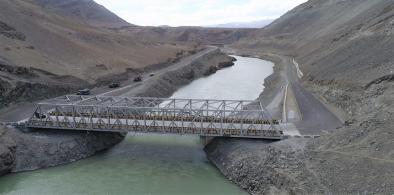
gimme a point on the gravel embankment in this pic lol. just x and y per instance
(262, 167)
(354, 159)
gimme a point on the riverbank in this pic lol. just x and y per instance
(262, 167)
(35, 150)
(338, 162)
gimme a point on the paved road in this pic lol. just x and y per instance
(132, 88)
(316, 118)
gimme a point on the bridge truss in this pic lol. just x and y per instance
(216, 118)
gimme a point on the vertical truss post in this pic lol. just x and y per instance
(202, 121)
(127, 115)
(207, 102)
(242, 123)
(223, 115)
(163, 116)
(57, 116)
(182, 119)
(91, 117)
(73, 116)
(108, 117)
(144, 118)
(40, 118)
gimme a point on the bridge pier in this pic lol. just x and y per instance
(206, 140)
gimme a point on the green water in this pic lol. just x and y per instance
(142, 164)
(152, 164)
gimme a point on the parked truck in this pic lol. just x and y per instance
(138, 78)
(83, 92)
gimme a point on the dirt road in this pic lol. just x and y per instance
(316, 118)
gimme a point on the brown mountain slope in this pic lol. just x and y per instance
(345, 50)
(341, 44)
(67, 40)
(85, 10)
(335, 39)
(44, 53)
(61, 45)
(200, 35)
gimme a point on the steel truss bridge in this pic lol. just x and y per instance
(216, 118)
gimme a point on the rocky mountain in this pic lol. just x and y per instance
(85, 10)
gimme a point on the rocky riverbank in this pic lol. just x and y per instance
(353, 159)
(7, 152)
(21, 151)
(42, 149)
(262, 167)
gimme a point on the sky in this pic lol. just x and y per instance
(197, 12)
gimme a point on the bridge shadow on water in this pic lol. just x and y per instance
(140, 164)
(152, 148)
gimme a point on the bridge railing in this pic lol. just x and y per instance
(204, 117)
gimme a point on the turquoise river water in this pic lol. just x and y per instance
(152, 164)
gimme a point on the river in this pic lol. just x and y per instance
(152, 164)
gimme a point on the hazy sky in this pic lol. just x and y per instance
(197, 12)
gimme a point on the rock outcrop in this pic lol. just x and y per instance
(7, 153)
(42, 149)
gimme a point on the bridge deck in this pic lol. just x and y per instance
(228, 118)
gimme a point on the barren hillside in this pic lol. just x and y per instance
(33, 36)
(347, 40)
(85, 10)
(218, 36)
(83, 41)
(44, 49)
(345, 50)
